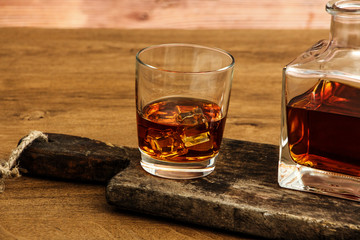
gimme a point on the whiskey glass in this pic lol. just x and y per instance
(182, 99)
(320, 133)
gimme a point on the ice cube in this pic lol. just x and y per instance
(167, 117)
(165, 143)
(191, 116)
(197, 139)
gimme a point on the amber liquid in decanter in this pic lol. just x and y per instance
(324, 127)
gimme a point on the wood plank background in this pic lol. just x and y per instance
(166, 14)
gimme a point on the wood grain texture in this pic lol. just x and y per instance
(40, 209)
(81, 82)
(74, 158)
(178, 14)
(241, 195)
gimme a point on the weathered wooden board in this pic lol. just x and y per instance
(241, 195)
(73, 158)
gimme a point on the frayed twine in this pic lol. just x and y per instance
(10, 168)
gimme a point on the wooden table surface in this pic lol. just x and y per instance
(81, 82)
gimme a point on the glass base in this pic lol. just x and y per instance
(177, 170)
(298, 177)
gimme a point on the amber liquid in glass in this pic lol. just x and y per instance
(180, 129)
(324, 128)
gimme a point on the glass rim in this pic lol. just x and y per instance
(344, 7)
(225, 68)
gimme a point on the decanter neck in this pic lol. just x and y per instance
(345, 23)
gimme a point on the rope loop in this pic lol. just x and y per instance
(9, 169)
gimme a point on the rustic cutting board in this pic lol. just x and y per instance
(241, 195)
